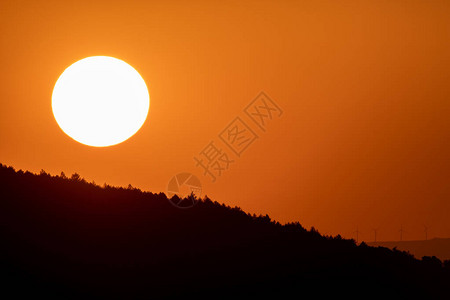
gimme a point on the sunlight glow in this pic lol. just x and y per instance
(100, 101)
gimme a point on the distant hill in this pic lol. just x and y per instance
(435, 247)
(63, 237)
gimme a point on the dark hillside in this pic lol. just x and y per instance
(66, 237)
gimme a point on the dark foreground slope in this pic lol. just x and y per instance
(65, 237)
(438, 247)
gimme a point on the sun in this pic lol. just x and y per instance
(100, 101)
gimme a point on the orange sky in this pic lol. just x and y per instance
(364, 139)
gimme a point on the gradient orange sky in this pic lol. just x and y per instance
(364, 139)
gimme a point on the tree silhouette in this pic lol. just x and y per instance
(75, 177)
(69, 238)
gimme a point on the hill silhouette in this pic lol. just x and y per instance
(438, 247)
(65, 237)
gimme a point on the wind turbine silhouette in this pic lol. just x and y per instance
(375, 230)
(426, 232)
(357, 234)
